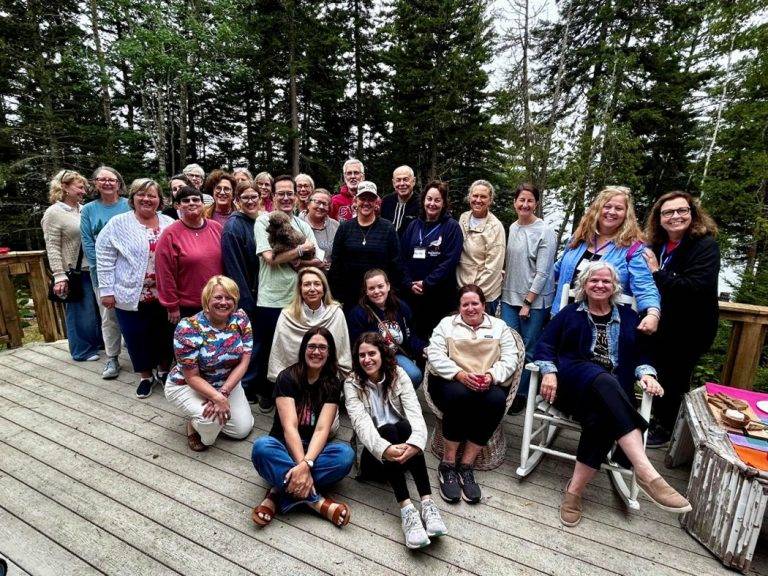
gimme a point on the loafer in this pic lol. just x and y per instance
(570, 509)
(664, 496)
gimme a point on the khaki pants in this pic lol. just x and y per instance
(190, 402)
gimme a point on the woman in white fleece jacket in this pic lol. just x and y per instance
(472, 357)
(387, 420)
(125, 256)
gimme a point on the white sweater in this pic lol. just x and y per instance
(122, 253)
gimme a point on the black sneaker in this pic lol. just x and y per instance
(450, 489)
(658, 436)
(145, 387)
(266, 404)
(518, 405)
(469, 488)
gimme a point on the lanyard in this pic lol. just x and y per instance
(421, 231)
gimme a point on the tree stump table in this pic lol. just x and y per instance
(728, 496)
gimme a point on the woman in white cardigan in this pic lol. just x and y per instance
(125, 256)
(387, 420)
(312, 305)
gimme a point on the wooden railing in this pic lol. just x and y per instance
(50, 317)
(746, 344)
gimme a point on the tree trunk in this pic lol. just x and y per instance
(358, 80)
(295, 140)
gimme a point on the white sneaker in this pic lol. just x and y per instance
(111, 369)
(415, 535)
(433, 522)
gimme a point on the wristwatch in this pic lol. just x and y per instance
(310, 463)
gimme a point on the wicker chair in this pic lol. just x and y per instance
(493, 454)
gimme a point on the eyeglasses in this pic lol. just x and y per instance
(684, 211)
(323, 348)
(106, 180)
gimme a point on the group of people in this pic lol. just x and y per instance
(238, 289)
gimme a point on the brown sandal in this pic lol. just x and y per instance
(335, 515)
(193, 439)
(270, 513)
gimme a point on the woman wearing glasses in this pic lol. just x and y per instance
(685, 261)
(94, 216)
(188, 255)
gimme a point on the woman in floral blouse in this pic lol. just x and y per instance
(213, 349)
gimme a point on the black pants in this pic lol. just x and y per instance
(468, 415)
(675, 367)
(606, 414)
(373, 469)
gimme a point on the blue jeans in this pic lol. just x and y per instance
(272, 461)
(410, 367)
(84, 323)
(529, 330)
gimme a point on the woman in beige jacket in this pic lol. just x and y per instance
(387, 420)
(482, 259)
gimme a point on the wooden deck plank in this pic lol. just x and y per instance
(18, 540)
(98, 548)
(516, 530)
(651, 531)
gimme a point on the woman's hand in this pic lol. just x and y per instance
(549, 387)
(61, 287)
(651, 385)
(525, 312)
(299, 481)
(217, 408)
(650, 258)
(108, 302)
(650, 323)
(174, 317)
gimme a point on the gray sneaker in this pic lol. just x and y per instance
(111, 369)
(415, 535)
(433, 522)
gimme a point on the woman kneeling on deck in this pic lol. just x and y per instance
(296, 458)
(387, 420)
(590, 354)
(213, 349)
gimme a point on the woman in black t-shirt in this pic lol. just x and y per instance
(296, 458)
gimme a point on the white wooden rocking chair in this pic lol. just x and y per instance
(538, 441)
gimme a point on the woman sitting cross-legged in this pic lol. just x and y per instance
(590, 354)
(472, 357)
(296, 458)
(213, 349)
(387, 420)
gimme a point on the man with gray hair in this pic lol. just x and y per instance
(402, 207)
(342, 204)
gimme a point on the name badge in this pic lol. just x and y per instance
(419, 253)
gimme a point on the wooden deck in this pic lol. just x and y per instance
(94, 481)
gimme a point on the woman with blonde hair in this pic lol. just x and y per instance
(61, 230)
(312, 305)
(212, 349)
(609, 232)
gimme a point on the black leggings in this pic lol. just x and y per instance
(468, 415)
(606, 414)
(373, 469)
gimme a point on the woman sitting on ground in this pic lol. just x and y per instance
(472, 357)
(297, 459)
(312, 305)
(590, 355)
(387, 420)
(383, 312)
(213, 349)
